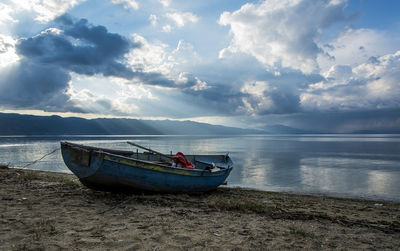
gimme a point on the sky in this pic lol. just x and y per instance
(324, 65)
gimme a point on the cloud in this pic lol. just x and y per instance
(75, 46)
(356, 46)
(276, 93)
(45, 10)
(84, 101)
(181, 18)
(7, 51)
(267, 98)
(149, 57)
(127, 4)
(339, 73)
(185, 54)
(216, 99)
(4, 44)
(167, 28)
(282, 33)
(372, 85)
(6, 14)
(200, 85)
(40, 79)
(79, 47)
(153, 19)
(344, 99)
(86, 49)
(348, 73)
(165, 3)
(158, 59)
(35, 86)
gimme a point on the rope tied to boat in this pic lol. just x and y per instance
(44, 156)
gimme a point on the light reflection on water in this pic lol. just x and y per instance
(366, 166)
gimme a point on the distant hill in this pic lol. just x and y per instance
(17, 124)
(281, 129)
(384, 131)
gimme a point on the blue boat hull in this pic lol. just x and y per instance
(109, 169)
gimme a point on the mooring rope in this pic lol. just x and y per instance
(44, 156)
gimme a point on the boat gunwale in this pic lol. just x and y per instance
(104, 151)
(96, 148)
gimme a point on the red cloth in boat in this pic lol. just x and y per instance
(180, 158)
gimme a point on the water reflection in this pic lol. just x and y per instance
(342, 165)
(380, 182)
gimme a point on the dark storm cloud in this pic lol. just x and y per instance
(285, 102)
(40, 79)
(218, 98)
(87, 49)
(79, 47)
(29, 85)
(153, 78)
(225, 94)
(283, 92)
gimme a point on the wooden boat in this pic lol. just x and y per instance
(106, 169)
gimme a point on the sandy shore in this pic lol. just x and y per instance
(51, 211)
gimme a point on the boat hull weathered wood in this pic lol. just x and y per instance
(106, 169)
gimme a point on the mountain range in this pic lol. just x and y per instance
(17, 124)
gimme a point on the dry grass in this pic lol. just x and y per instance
(65, 179)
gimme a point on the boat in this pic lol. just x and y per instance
(109, 169)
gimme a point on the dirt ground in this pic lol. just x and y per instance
(52, 211)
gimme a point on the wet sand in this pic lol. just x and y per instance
(52, 211)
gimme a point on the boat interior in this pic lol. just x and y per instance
(203, 162)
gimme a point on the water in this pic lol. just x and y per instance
(354, 166)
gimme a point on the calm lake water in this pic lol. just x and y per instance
(345, 165)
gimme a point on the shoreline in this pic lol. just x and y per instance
(289, 192)
(48, 210)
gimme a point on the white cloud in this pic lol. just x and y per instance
(199, 85)
(132, 92)
(339, 73)
(127, 4)
(167, 28)
(372, 85)
(90, 102)
(8, 54)
(45, 10)
(110, 96)
(282, 33)
(149, 57)
(256, 102)
(6, 14)
(181, 18)
(166, 3)
(153, 19)
(160, 58)
(355, 46)
(184, 54)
